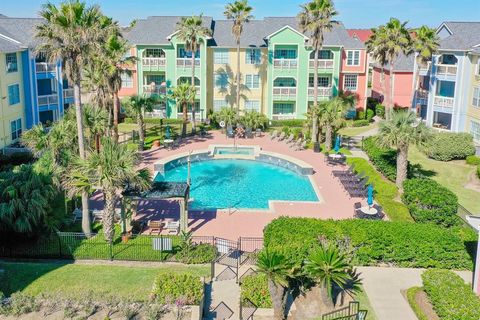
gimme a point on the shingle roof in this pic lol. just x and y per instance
(155, 30)
(362, 34)
(465, 35)
(21, 29)
(7, 46)
(402, 64)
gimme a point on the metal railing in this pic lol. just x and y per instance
(322, 63)
(68, 93)
(285, 93)
(48, 100)
(155, 89)
(352, 311)
(289, 116)
(41, 67)
(285, 63)
(154, 62)
(446, 69)
(443, 102)
(187, 62)
(322, 92)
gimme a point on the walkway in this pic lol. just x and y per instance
(384, 289)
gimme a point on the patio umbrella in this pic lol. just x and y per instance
(167, 132)
(370, 195)
(337, 144)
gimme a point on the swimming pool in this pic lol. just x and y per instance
(233, 151)
(242, 184)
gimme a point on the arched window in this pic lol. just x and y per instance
(285, 82)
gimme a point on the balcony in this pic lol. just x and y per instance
(43, 67)
(187, 62)
(446, 69)
(322, 92)
(285, 63)
(48, 100)
(421, 97)
(154, 62)
(445, 102)
(284, 93)
(155, 89)
(68, 93)
(322, 64)
(288, 116)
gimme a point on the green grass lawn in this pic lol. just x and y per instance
(74, 280)
(357, 131)
(453, 175)
(365, 304)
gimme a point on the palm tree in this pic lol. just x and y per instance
(136, 106)
(183, 94)
(425, 44)
(96, 123)
(332, 117)
(376, 47)
(278, 270)
(315, 19)
(70, 34)
(399, 132)
(227, 115)
(327, 266)
(110, 171)
(240, 12)
(191, 31)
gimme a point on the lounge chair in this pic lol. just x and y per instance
(281, 136)
(230, 132)
(273, 134)
(173, 227)
(258, 132)
(290, 139)
(296, 144)
(249, 133)
(155, 227)
(303, 146)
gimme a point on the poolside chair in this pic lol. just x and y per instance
(303, 146)
(249, 133)
(296, 144)
(155, 227)
(273, 134)
(173, 227)
(290, 139)
(230, 132)
(281, 136)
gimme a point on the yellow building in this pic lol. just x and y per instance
(473, 110)
(12, 100)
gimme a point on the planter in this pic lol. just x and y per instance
(156, 144)
(125, 237)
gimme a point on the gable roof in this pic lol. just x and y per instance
(403, 63)
(464, 36)
(361, 34)
(22, 30)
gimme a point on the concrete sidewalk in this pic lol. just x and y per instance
(384, 289)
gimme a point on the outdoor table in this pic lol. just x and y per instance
(168, 143)
(371, 211)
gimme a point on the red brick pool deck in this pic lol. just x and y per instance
(334, 204)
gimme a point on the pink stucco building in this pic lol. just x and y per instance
(354, 64)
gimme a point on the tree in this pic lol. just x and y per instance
(70, 34)
(191, 31)
(136, 106)
(425, 44)
(96, 123)
(401, 130)
(315, 19)
(111, 171)
(227, 115)
(278, 270)
(240, 12)
(183, 94)
(332, 115)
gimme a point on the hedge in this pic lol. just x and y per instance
(399, 244)
(451, 297)
(255, 288)
(287, 123)
(170, 287)
(478, 171)
(156, 121)
(411, 297)
(360, 123)
(385, 160)
(473, 160)
(429, 201)
(446, 146)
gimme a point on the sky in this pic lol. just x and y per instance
(353, 13)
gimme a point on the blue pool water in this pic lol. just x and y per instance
(221, 184)
(234, 151)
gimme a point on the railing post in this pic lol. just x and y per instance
(59, 245)
(161, 248)
(110, 249)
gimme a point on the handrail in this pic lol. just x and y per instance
(322, 63)
(285, 63)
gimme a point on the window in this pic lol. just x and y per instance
(353, 58)
(11, 62)
(13, 94)
(220, 56)
(475, 130)
(157, 79)
(219, 105)
(182, 53)
(127, 80)
(253, 56)
(323, 82)
(322, 55)
(189, 107)
(285, 82)
(154, 53)
(476, 97)
(221, 80)
(188, 80)
(285, 54)
(350, 82)
(252, 105)
(16, 128)
(283, 108)
(252, 81)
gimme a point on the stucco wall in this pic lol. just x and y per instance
(403, 87)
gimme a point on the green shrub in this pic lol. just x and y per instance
(255, 288)
(478, 171)
(360, 123)
(473, 160)
(411, 297)
(380, 110)
(361, 115)
(129, 121)
(385, 160)
(451, 297)
(429, 201)
(202, 253)
(370, 114)
(165, 121)
(401, 244)
(287, 123)
(446, 146)
(169, 287)
(148, 143)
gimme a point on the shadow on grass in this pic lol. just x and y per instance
(416, 171)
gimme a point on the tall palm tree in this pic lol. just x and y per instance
(183, 94)
(71, 33)
(278, 270)
(191, 31)
(425, 44)
(136, 106)
(399, 132)
(111, 171)
(96, 123)
(316, 18)
(376, 47)
(327, 266)
(240, 12)
(332, 117)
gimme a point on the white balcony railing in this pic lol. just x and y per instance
(322, 64)
(48, 100)
(285, 93)
(285, 63)
(41, 67)
(154, 62)
(153, 89)
(287, 116)
(322, 92)
(446, 69)
(187, 62)
(443, 102)
(68, 93)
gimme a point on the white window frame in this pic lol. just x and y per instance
(8, 94)
(250, 82)
(475, 130)
(216, 83)
(127, 80)
(253, 56)
(283, 104)
(349, 88)
(17, 133)
(252, 105)
(354, 60)
(220, 56)
(476, 97)
(11, 63)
